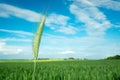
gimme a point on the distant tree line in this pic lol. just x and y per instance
(113, 57)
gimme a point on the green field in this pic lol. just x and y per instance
(61, 70)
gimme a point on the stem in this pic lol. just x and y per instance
(34, 70)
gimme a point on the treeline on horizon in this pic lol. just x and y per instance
(116, 57)
(113, 57)
(72, 58)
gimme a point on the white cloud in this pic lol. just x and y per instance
(84, 47)
(19, 50)
(109, 4)
(56, 19)
(17, 36)
(60, 46)
(17, 32)
(68, 30)
(95, 21)
(67, 52)
(6, 49)
(9, 10)
(100, 51)
(14, 39)
(55, 22)
(69, 41)
(59, 23)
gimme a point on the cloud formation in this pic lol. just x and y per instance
(67, 52)
(109, 4)
(87, 12)
(14, 39)
(85, 47)
(56, 22)
(6, 49)
(95, 21)
(9, 10)
(59, 23)
(17, 32)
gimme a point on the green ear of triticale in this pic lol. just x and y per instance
(37, 38)
(36, 43)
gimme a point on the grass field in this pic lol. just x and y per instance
(61, 70)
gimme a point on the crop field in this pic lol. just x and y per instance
(61, 70)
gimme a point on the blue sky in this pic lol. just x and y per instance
(73, 28)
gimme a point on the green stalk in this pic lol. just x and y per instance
(36, 43)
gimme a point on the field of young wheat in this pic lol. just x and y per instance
(61, 70)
